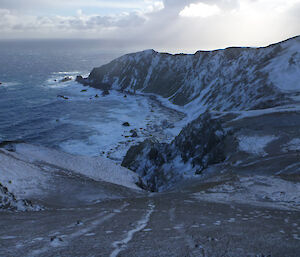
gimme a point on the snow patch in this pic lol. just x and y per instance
(255, 144)
(256, 190)
(293, 145)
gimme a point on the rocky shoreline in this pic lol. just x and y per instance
(160, 120)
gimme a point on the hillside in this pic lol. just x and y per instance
(231, 79)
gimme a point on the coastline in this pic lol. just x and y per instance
(163, 124)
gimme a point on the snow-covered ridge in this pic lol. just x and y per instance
(39, 174)
(230, 79)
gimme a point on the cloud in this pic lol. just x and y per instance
(166, 25)
(200, 10)
(11, 20)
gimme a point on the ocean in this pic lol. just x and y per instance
(30, 111)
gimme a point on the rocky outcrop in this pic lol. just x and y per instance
(9, 202)
(66, 79)
(95, 84)
(230, 79)
(199, 144)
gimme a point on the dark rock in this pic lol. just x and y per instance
(82, 80)
(93, 83)
(199, 144)
(133, 133)
(125, 96)
(126, 124)
(96, 96)
(63, 97)
(9, 202)
(10, 145)
(65, 79)
(83, 90)
(54, 238)
(105, 92)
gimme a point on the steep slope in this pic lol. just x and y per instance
(199, 144)
(52, 178)
(230, 79)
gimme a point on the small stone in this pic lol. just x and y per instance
(126, 124)
(56, 238)
(65, 79)
(105, 93)
(63, 97)
(134, 134)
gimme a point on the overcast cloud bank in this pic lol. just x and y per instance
(169, 25)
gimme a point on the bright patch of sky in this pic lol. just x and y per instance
(200, 10)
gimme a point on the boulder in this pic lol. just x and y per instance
(105, 92)
(133, 133)
(63, 97)
(126, 124)
(65, 79)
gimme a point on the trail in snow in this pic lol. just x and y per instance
(98, 220)
(141, 224)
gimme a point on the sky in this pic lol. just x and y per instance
(164, 25)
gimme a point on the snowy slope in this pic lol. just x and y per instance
(97, 168)
(21, 178)
(51, 177)
(230, 79)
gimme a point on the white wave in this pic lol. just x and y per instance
(9, 84)
(54, 81)
(67, 73)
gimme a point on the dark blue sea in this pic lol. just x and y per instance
(30, 110)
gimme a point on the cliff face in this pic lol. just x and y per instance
(234, 79)
(230, 79)
(160, 166)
